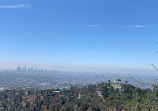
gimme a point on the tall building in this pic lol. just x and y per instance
(18, 69)
(31, 69)
(24, 69)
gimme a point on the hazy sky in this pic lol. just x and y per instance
(113, 33)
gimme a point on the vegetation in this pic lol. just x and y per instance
(80, 99)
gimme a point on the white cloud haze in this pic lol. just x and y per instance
(136, 26)
(94, 25)
(14, 6)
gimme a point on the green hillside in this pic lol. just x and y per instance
(92, 98)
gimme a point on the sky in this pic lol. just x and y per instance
(90, 33)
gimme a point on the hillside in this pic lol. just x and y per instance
(92, 98)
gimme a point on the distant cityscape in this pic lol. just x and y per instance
(30, 69)
(38, 78)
